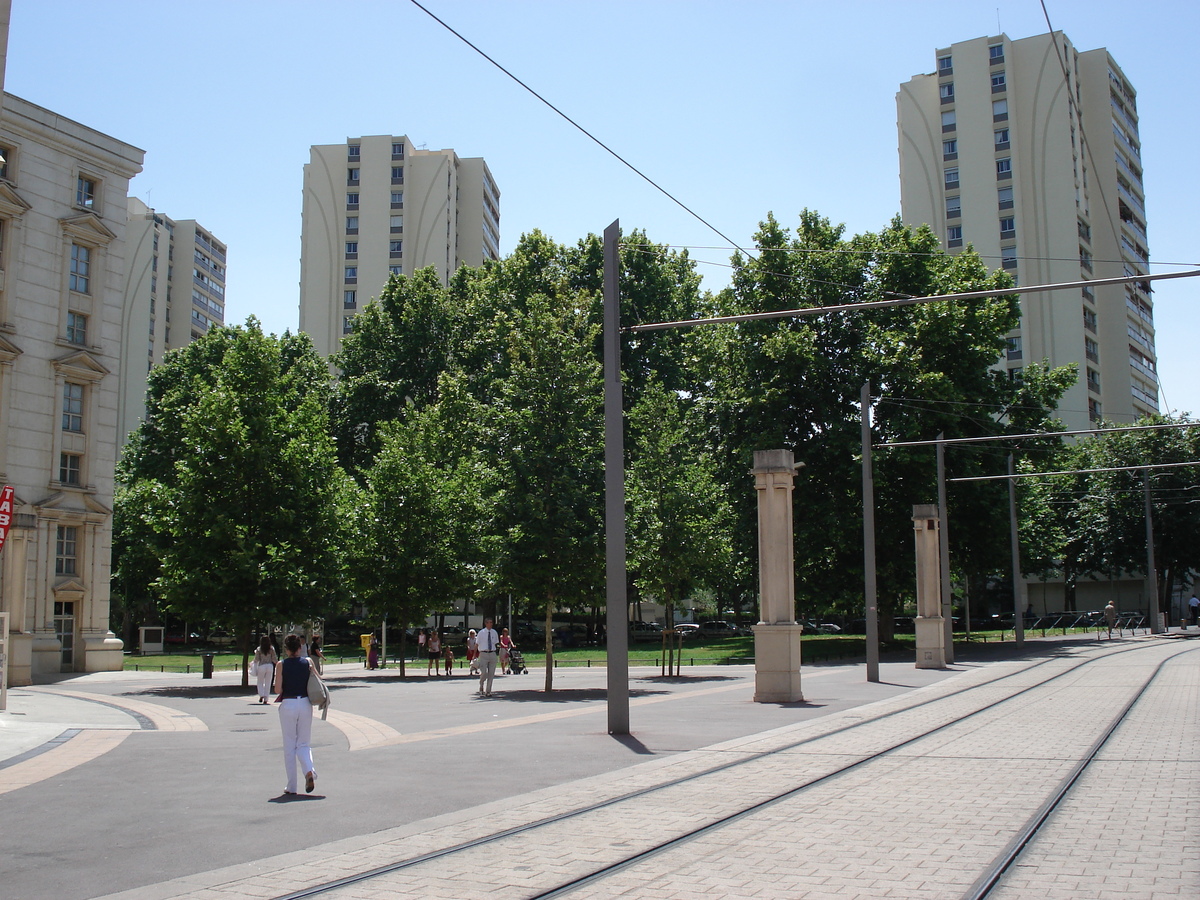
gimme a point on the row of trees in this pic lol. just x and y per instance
(457, 454)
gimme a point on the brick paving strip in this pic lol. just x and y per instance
(921, 822)
(1129, 829)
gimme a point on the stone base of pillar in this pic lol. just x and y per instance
(777, 663)
(103, 651)
(20, 654)
(931, 651)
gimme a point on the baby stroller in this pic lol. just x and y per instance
(516, 663)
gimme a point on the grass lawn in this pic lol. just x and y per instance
(695, 652)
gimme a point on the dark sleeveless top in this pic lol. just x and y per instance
(295, 677)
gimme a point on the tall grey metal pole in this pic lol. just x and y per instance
(944, 550)
(1018, 605)
(1151, 570)
(870, 589)
(617, 619)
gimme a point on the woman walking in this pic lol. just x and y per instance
(264, 667)
(295, 714)
(315, 654)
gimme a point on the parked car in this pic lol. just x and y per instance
(687, 629)
(645, 631)
(828, 628)
(718, 628)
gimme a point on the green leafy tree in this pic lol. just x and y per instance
(545, 458)
(795, 383)
(1098, 517)
(424, 535)
(243, 478)
(679, 514)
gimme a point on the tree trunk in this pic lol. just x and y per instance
(549, 645)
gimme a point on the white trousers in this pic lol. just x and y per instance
(266, 674)
(295, 719)
(487, 670)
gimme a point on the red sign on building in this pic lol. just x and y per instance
(6, 512)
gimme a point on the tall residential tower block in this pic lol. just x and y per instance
(376, 206)
(174, 293)
(1028, 150)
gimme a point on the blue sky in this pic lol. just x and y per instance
(739, 109)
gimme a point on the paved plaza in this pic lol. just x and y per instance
(144, 786)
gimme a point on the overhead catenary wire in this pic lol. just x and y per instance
(882, 304)
(607, 149)
(1178, 465)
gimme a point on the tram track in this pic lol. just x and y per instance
(723, 819)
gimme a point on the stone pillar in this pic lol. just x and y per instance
(930, 626)
(777, 635)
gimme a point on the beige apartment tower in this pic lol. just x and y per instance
(174, 293)
(1028, 151)
(376, 206)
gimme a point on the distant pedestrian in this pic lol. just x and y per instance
(506, 645)
(489, 642)
(1194, 608)
(265, 659)
(315, 654)
(448, 658)
(373, 653)
(434, 645)
(1110, 616)
(472, 652)
(295, 714)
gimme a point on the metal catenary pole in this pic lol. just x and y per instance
(944, 554)
(617, 618)
(1018, 599)
(870, 587)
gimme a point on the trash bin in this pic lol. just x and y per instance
(208, 665)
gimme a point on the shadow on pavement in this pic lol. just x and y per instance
(568, 695)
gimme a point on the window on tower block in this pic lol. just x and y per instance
(1008, 227)
(953, 207)
(998, 83)
(66, 550)
(69, 468)
(954, 236)
(949, 150)
(952, 178)
(1004, 196)
(76, 328)
(947, 92)
(999, 110)
(81, 264)
(72, 407)
(85, 192)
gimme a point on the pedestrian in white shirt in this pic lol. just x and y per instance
(488, 642)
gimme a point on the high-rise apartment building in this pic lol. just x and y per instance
(175, 292)
(1029, 151)
(376, 206)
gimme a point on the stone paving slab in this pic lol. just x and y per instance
(887, 830)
